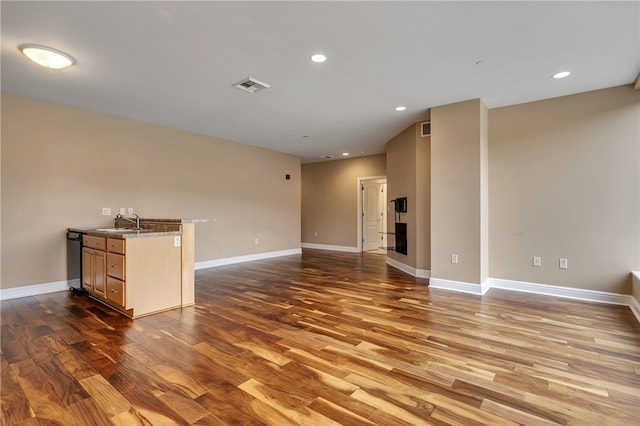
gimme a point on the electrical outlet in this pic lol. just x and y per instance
(256, 241)
(130, 210)
(123, 210)
(176, 241)
(106, 211)
(315, 234)
(454, 258)
(537, 261)
(563, 264)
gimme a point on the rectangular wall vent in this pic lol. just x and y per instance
(251, 85)
(425, 129)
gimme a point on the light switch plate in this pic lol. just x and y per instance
(106, 211)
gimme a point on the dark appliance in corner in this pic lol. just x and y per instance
(74, 261)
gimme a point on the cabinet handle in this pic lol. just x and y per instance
(113, 291)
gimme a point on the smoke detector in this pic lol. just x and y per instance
(251, 85)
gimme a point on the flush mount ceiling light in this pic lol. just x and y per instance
(318, 57)
(561, 74)
(401, 108)
(47, 56)
(345, 154)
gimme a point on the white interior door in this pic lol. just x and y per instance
(373, 216)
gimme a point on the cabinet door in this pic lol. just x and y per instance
(115, 291)
(115, 246)
(100, 273)
(115, 266)
(87, 269)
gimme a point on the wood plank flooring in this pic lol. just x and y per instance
(324, 338)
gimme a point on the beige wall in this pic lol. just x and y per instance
(401, 182)
(330, 199)
(423, 201)
(458, 214)
(565, 183)
(61, 165)
(409, 175)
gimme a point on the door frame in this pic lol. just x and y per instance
(360, 181)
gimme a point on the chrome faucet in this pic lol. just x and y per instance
(135, 222)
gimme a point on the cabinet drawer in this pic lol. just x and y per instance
(115, 291)
(94, 242)
(115, 246)
(115, 265)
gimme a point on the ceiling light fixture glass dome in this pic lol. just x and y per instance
(47, 56)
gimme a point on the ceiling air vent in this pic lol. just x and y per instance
(425, 129)
(251, 85)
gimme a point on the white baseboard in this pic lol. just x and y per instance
(565, 292)
(34, 290)
(418, 273)
(330, 247)
(542, 289)
(460, 286)
(247, 258)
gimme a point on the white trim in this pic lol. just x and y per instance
(330, 247)
(360, 181)
(635, 307)
(246, 258)
(565, 292)
(419, 273)
(460, 286)
(33, 290)
(634, 303)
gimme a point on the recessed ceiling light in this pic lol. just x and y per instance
(47, 56)
(318, 57)
(345, 154)
(561, 74)
(401, 108)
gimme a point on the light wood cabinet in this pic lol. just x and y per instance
(136, 276)
(116, 292)
(94, 275)
(116, 273)
(102, 268)
(115, 266)
(115, 246)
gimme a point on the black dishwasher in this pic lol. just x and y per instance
(74, 260)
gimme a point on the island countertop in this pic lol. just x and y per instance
(151, 227)
(122, 233)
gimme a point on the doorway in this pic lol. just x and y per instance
(373, 202)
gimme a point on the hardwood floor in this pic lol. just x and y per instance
(324, 338)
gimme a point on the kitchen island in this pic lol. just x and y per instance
(140, 271)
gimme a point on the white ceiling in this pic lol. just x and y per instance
(174, 63)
